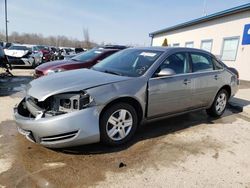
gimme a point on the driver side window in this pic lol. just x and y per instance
(177, 62)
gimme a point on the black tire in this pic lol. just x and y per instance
(104, 123)
(212, 110)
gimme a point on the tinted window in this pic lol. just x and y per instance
(42, 47)
(129, 62)
(106, 55)
(177, 62)
(18, 48)
(201, 62)
(89, 55)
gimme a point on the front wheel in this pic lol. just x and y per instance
(118, 124)
(219, 105)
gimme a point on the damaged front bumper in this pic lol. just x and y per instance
(21, 61)
(64, 130)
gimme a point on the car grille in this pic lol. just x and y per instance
(59, 137)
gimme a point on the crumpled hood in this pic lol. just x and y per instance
(69, 81)
(16, 53)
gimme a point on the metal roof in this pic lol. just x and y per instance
(204, 19)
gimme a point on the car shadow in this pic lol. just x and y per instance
(238, 104)
(150, 131)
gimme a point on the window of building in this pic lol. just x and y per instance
(207, 45)
(201, 62)
(176, 44)
(189, 44)
(229, 49)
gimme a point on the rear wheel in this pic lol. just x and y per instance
(118, 124)
(219, 105)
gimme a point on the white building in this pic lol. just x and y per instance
(226, 34)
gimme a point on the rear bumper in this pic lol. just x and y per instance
(71, 129)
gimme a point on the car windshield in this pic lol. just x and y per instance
(42, 47)
(89, 55)
(18, 48)
(129, 62)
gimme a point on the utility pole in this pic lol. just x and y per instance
(6, 22)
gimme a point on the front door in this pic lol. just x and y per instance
(170, 94)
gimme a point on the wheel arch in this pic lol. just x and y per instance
(129, 100)
(227, 88)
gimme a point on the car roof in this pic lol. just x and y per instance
(172, 49)
(106, 49)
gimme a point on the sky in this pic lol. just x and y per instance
(127, 22)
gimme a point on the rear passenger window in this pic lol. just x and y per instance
(201, 63)
(217, 64)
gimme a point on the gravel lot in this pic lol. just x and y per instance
(191, 150)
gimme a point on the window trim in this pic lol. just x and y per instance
(207, 40)
(189, 42)
(223, 44)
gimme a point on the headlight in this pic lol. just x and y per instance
(54, 71)
(69, 102)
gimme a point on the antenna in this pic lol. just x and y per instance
(205, 8)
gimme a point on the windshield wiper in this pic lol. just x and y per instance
(112, 72)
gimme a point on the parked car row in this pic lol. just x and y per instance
(119, 92)
(82, 60)
(34, 55)
(24, 55)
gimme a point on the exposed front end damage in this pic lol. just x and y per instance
(63, 109)
(62, 120)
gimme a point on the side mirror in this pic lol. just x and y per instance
(166, 72)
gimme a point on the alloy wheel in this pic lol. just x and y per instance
(119, 124)
(221, 103)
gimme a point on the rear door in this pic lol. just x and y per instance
(206, 79)
(170, 94)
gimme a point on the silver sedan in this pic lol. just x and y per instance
(108, 102)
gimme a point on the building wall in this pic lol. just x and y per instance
(217, 30)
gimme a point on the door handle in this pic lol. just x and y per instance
(186, 81)
(216, 77)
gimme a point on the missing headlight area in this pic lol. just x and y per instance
(71, 101)
(54, 105)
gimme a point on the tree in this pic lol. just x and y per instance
(86, 38)
(165, 42)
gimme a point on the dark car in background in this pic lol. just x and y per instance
(82, 60)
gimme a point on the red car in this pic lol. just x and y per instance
(47, 53)
(82, 60)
